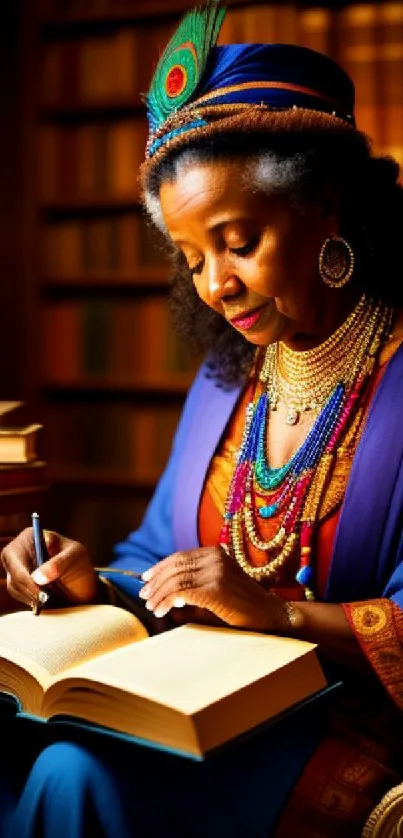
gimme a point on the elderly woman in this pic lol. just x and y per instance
(281, 505)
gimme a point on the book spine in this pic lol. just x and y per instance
(371, 51)
(61, 343)
(315, 27)
(96, 335)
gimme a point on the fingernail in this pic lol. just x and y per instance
(160, 612)
(179, 602)
(43, 597)
(39, 577)
(143, 593)
(146, 575)
(148, 606)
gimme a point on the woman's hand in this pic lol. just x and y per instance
(208, 579)
(69, 569)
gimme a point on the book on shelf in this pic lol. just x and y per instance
(315, 28)
(98, 337)
(190, 689)
(132, 440)
(96, 519)
(122, 247)
(23, 488)
(101, 70)
(19, 444)
(88, 10)
(93, 161)
(18, 476)
(371, 52)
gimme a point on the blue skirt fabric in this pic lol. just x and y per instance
(105, 787)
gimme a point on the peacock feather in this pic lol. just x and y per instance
(183, 62)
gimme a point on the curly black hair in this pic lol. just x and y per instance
(371, 221)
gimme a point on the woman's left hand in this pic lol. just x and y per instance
(208, 579)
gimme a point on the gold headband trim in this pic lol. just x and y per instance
(262, 85)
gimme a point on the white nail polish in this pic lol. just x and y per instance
(39, 577)
(179, 602)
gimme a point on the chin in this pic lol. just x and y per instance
(278, 331)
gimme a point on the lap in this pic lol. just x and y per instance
(238, 792)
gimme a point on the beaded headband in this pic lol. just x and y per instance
(200, 89)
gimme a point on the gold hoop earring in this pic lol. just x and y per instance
(336, 262)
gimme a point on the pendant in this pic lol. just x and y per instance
(292, 416)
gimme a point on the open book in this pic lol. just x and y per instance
(190, 689)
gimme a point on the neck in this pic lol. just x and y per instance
(331, 310)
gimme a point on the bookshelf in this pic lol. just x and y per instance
(103, 369)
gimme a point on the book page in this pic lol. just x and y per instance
(191, 688)
(193, 666)
(53, 641)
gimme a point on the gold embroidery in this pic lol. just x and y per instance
(221, 471)
(369, 619)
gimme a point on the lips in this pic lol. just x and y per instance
(247, 320)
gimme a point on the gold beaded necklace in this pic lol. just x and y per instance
(303, 380)
(294, 492)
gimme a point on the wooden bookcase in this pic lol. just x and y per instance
(103, 369)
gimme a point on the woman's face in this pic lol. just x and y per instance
(253, 257)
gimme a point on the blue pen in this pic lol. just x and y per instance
(41, 556)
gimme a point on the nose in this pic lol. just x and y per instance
(221, 281)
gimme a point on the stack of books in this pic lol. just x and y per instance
(23, 479)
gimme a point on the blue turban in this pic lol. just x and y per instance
(198, 87)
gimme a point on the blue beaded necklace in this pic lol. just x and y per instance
(294, 491)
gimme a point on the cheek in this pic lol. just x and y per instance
(199, 286)
(272, 266)
(288, 261)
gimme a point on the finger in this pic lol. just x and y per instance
(19, 582)
(176, 584)
(21, 592)
(53, 568)
(174, 563)
(53, 541)
(183, 565)
(175, 593)
(42, 599)
(19, 554)
(165, 605)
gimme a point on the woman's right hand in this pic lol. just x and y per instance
(69, 570)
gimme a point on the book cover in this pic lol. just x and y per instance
(19, 444)
(22, 475)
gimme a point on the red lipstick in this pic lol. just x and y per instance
(247, 320)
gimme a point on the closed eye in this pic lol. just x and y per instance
(247, 248)
(243, 251)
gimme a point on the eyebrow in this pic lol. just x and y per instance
(217, 225)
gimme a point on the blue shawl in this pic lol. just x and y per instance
(368, 549)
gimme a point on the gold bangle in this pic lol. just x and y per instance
(110, 590)
(293, 615)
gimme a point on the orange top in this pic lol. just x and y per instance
(216, 487)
